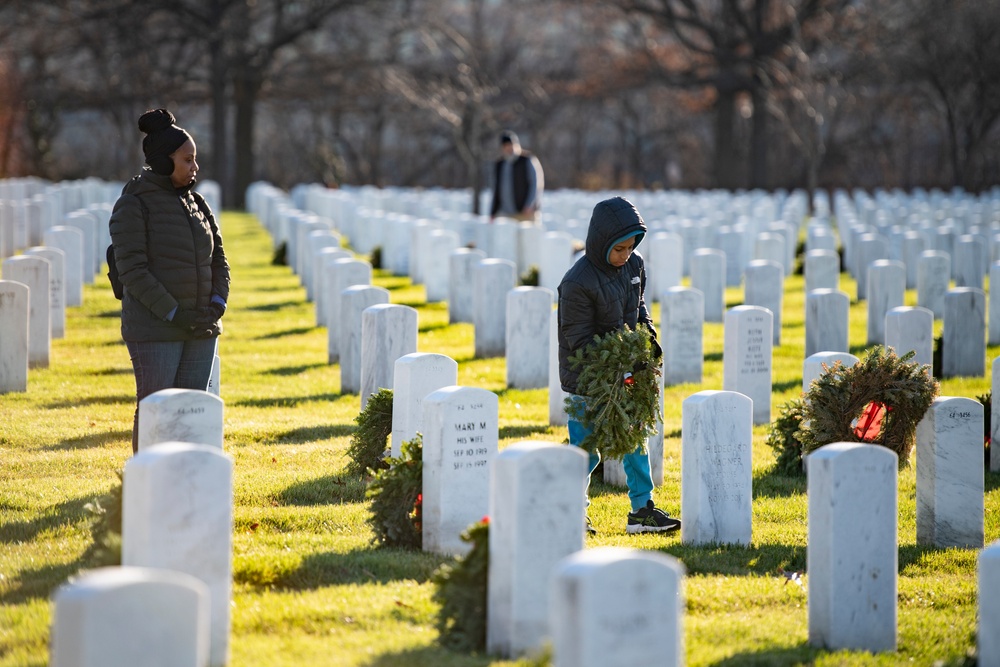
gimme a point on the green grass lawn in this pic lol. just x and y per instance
(310, 589)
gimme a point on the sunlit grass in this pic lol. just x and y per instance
(310, 589)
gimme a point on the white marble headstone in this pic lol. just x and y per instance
(461, 435)
(415, 376)
(746, 359)
(993, 298)
(708, 275)
(555, 259)
(87, 224)
(995, 416)
(177, 514)
(886, 289)
(128, 616)
(665, 265)
(537, 492)
(913, 245)
(950, 481)
(70, 241)
(988, 643)
(388, 332)
(491, 280)
(181, 415)
(437, 279)
(312, 268)
(765, 287)
(963, 348)
(933, 279)
(353, 302)
(716, 470)
(870, 247)
(557, 397)
(617, 606)
(325, 259)
(826, 321)
(529, 314)
(970, 254)
(911, 328)
(852, 556)
(682, 314)
(822, 362)
(460, 290)
(770, 246)
(340, 274)
(13, 336)
(34, 272)
(57, 286)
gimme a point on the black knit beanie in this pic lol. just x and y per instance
(162, 139)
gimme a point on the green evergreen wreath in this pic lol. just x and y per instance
(461, 589)
(782, 438)
(367, 446)
(397, 499)
(903, 390)
(620, 381)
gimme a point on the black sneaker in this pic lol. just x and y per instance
(649, 519)
(590, 527)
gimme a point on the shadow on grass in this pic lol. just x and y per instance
(738, 560)
(292, 370)
(428, 656)
(523, 430)
(93, 440)
(92, 400)
(418, 305)
(992, 480)
(274, 307)
(802, 654)
(124, 370)
(361, 566)
(713, 356)
(774, 484)
(287, 332)
(290, 287)
(110, 313)
(860, 350)
(308, 434)
(779, 387)
(286, 401)
(434, 327)
(40, 582)
(64, 513)
(328, 490)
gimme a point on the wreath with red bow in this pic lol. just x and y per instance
(880, 400)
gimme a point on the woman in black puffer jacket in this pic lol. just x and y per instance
(169, 255)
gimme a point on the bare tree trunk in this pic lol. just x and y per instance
(759, 138)
(725, 150)
(220, 144)
(246, 85)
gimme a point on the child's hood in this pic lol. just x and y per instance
(613, 221)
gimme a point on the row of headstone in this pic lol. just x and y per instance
(826, 315)
(539, 574)
(169, 602)
(52, 241)
(963, 347)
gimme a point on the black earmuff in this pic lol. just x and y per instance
(161, 164)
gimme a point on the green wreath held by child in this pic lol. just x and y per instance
(620, 379)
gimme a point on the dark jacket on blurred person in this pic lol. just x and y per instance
(169, 256)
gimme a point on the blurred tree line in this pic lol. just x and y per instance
(608, 93)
